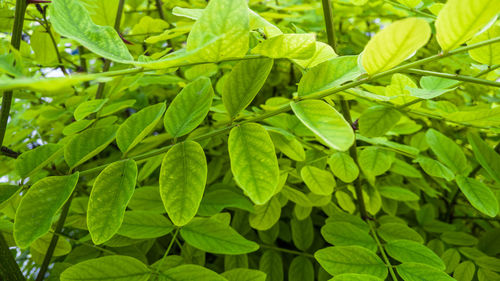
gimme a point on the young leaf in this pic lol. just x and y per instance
(290, 146)
(215, 201)
(227, 22)
(253, 161)
(41, 245)
(351, 259)
(465, 271)
(459, 20)
(329, 74)
(289, 46)
(397, 193)
(266, 215)
(490, 54)
(397, 231)
(347, 234)
(243, 83)
(301, 269)
(410, 251)
(375, 161)
(319, 181)
(87, 144)
(412, 271)
(33, 160)
(355, 277)
(212, 236)
(432, 87)
(302, 233)
(378, 120)
(435, 168)
(479, 195)
(8, 191)
(272, 264)
(39, 206)
(138, 126)
(144, 225)
(183, 176)
(326, 122)
(110, 195)
(343, 166)
(394, 44)
(70, 19)
(109, 268)
(189, 272)
(485, 155)
(244, 274)
(323, 53)
(447, 152)
(86, 108)
(189, 107)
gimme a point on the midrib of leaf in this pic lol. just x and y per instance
(248, 156)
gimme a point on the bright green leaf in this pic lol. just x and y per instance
(420, 272)
(343, 166)
(319, 181)
(289, 46)
(378, 120)
(479, 195)
(410, 251)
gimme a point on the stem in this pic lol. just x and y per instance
(382, 252)
(454, 77)
(415, 11)
(9, 270)
(159, 8)
(330, 30)
(287, 251)
(174, 237)
(53, 241)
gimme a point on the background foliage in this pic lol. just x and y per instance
(250, 140)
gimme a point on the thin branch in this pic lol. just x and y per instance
(157, 269)
(411, 10)
(457, 77)
(297, 253)
(382, 252)
(160, 9)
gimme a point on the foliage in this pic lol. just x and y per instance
(250, 140)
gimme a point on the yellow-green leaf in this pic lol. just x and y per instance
(489, 54)
(479, 195)
(319, 181)
(290, 46)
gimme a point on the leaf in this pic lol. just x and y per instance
(183, 176)
(347, 234)
(215, 237)
(215, 201)
(253, 161)
(31, 161)
(488, 54)
(319, 181)
(329, 74)
(42, 45)
(110, 195)
(435, 168)
(375, 161)
(289, 46)
(243, 83)
(432, 87)
(109, 268)
(41, 245)
(144, 225)
(420, 272)
(485, 155)
(396, 231)
(458, 238)
(189, 107)
(465, 271)
(355, 277)
(479, 195)
(447, 152)
(378, 120)
(136, 127)
(397, 193)
(490, 263)
(395, 44)
(39, 206)
(410, 251)
(351, 259)
(302, 233)
(86, 108)
(301, 269)
(226, 21)
(70, 19)
(8, 191)
(325, 122)
(410, 3)
(290, 146)
(343, 167)
(266, 215)
(272, 264)
(323, 53)
(147, 198)
(101, 12)
(459, 20)
(87, 144)
(189, 272)
(244, 274)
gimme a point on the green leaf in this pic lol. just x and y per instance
(41, 245)
(447, 152)
(479, 195)
(42, 45)
(459, 20)
(347, 234)
(465, 271)
(396, 231)
(189, 107)
(8, 191)
(253, 161)
(410, 3)
(378, 120)
(290, 146)
(490, 263)
(302, 233)
(183, 177)
(147, 198)
(226, 21)
(101, 12)
(343, 166)
(355, 277)
(144, 225)
(432, 87)
(86, 108)
(216, 237)
(87, 144)
(301, 269)
(410, 251)
(266, 215)
(39, 206)
(329, 74)
(351, 259)
(244, 274)
(272, 264)
(189, 272)
(110, 195)
(435, 168)
(488, 54)
(215, 201)
(319, 181)
(138, 126)
(420, 272)
(323, 53)
(397, 193)
(485, 155)
(109, 268)
(326, 122)
(243, 83)
(70, 19)
(31, 161)
(375, 161)
(288, 46)
(458, 238)
(395, 44)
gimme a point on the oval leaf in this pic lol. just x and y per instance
(317, 180)
(479, 195)
(33, 160)
(410, 251)
(144, 225)
(420, 272)
(343, 166)
(110, 268)
(378, 120)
